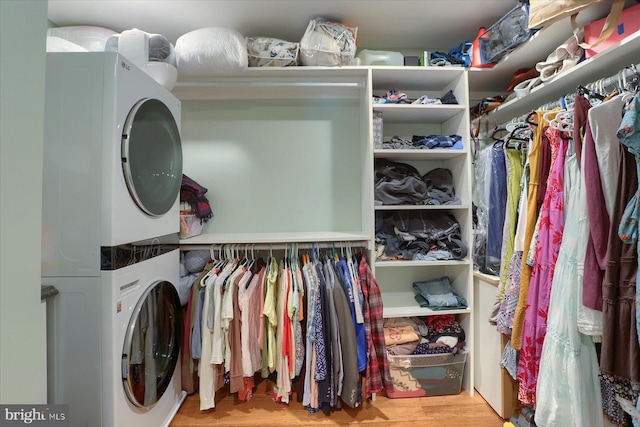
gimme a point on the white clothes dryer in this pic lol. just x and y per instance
(113, 160)
(114, 352)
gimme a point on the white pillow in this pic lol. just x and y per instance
(211, 51)
(57, 44)
(91, 38)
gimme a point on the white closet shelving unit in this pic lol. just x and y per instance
(396, 277)
(287, 156)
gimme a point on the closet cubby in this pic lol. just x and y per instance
(283, 154)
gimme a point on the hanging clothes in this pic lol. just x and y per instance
(568, 376)
(378, 377)
(350, 387)
(601, 146)
(271, 320)
(619, 354)
(532, 216)
(548, 245)
(514, 167)
(509, 303)
(628, 231)
(581, 107)
(496, 212)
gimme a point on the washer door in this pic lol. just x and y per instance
(152, 344)
(152, 156)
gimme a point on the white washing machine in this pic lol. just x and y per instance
(143, 333)
(114, 342)
(111, 181)
(113, 160)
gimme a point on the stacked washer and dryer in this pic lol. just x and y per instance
(112, 175)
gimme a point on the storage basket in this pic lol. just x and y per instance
(190, 225)
(426, 374)
(505, 35)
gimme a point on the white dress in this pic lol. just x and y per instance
(568, 390)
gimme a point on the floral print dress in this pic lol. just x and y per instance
(547, 248)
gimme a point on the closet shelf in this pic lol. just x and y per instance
(494, 280)
(403, 304)
(409, 154)
(285, 237)
(415, 113)
(604, 64)
(413, 78)
(409, 263)
(421, 207)
(277, 83)
(492, 81)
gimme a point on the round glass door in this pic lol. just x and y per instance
(152, 344)
(152, 156)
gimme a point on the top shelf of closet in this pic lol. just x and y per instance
(256, 83)
(602, 65)
(492, 81)
(313, 82)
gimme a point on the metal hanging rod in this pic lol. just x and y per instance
(618, 80)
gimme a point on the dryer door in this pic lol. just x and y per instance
(152, 344)
(152, 156)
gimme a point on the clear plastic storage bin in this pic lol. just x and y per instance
(505, 35)
(426, 374)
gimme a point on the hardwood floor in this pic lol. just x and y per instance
(451, 411)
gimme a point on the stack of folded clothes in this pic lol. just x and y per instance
(419, 236)
(398, 97)
(421, 142)
(400, 183)
(437, 294)
(411, 335)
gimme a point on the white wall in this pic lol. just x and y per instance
(23, 26)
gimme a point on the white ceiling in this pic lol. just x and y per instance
(382, 24)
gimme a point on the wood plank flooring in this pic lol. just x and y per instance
(451, 411)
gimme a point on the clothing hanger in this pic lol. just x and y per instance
(495, 132)
(529, 118)
(547, 116)
(590, 93)
(563, 121)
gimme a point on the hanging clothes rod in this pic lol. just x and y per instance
(284, 246)
(618, 80)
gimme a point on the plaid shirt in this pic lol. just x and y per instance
(378, 377)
